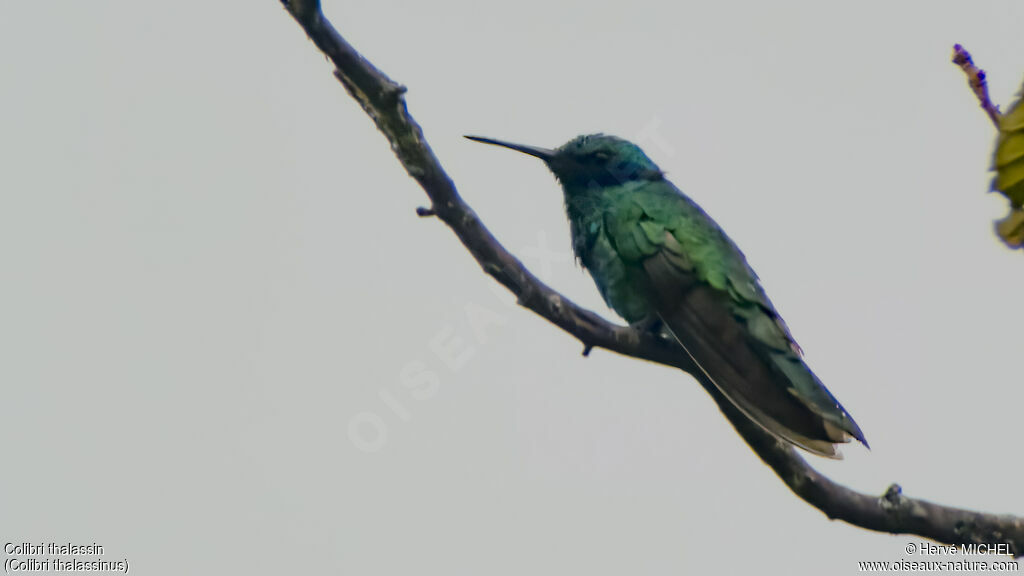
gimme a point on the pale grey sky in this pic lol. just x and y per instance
(212, 268)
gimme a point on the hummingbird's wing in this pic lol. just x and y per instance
(712, 302)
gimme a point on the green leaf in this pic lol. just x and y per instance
(1009, 147)
(1008, 160)
(1011, 228)
(1013, 119)
(1009, 180)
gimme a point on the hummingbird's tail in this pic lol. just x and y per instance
(769, 383)
(799, 429)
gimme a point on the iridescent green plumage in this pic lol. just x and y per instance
(658, 259)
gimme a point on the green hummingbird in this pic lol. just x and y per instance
(663, 264)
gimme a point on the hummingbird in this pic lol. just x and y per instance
(661, 263)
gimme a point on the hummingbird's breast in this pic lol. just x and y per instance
(622, 284)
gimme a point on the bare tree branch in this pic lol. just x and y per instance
(383, 101)
(976, 80)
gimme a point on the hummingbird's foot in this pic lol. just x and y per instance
(653, 325)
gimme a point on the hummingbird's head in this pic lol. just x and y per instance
(591, 160)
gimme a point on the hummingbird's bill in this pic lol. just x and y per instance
(542, 153)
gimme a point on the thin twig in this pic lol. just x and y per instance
(384, 102)
(976, 80)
